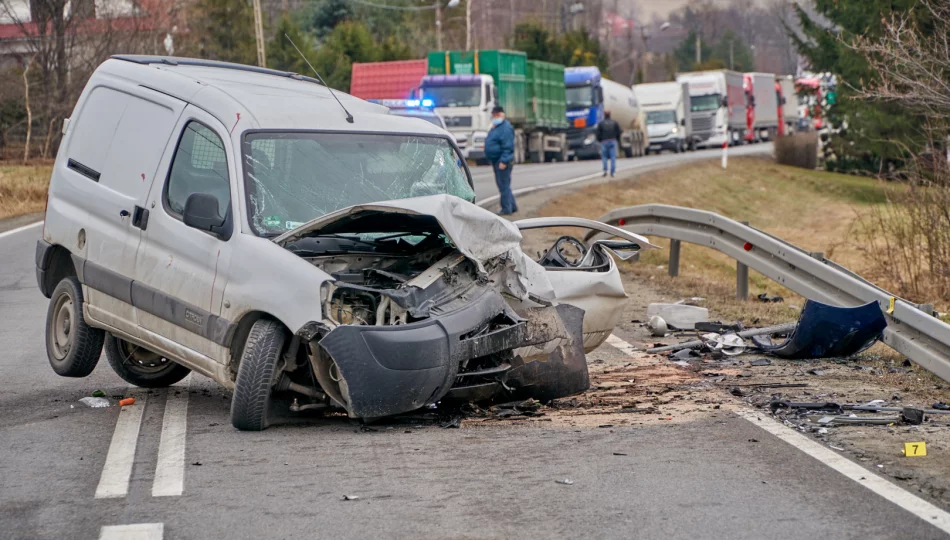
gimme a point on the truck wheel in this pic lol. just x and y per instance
(255, 379)
(72, 347)
(140, 366)
(536, 157)
(628, 152)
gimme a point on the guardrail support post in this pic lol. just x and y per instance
(742, 281)
(742, 278)
(674, 258)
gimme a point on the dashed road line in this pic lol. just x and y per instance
(114, 481)
(135, 531)
(851, 470)
(170, 470)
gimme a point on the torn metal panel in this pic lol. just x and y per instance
(825, 331)
(484, 238)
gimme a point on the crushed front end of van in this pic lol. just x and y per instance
(432, 299)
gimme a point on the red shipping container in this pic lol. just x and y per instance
(387, 80)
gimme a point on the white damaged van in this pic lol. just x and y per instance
(241, 223)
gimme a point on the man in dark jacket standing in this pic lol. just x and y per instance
(500, 151)
(608, 133)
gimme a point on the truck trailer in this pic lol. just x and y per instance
(790, 105)
(387, 80)
(765, 107)
(465, 86)
(717, 106)
(589, 95)
(668, 123)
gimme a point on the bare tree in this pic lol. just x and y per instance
(913, 63)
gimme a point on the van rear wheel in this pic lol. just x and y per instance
(72, 347)
(250, 406)
(142, 367)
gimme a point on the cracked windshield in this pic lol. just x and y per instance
(293, 178)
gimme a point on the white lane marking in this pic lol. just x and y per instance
(117, 470)
(892, 493)
(135, 531)
(908, 501)
(170, 470)
(488, 200)
(20, 229)
(620, 344)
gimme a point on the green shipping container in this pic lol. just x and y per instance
(546, 95)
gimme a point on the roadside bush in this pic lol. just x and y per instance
(908, 238)
(798, 150)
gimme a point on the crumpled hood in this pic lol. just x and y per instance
(479, 234)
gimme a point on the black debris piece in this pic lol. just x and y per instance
(941, 406)
(717, 327)
(912, 416)
(452, 423)
(738, 392)
(818, 372)
(761, 362)
(764, 297)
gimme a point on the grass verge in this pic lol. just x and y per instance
(23, 189)
(811, 209)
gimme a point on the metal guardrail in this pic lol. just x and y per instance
(912, 332)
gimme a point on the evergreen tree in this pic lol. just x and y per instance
(282, 55)
(328, 14)
(222, 30)
(878, 133)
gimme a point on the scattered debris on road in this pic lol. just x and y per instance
(566, 482)
(679, 316)
(95, 402)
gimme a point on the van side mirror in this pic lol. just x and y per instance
(201, 212)
(683, 122)
(725, 102)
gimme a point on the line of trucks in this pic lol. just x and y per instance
(555, 110)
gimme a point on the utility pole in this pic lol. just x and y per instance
(731, 55)
(699, 53)
(259, 34)
(438, 25)
(468, 25)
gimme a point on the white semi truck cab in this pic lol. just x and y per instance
(465, 103)
(717, 106)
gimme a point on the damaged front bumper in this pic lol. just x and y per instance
(376, 371)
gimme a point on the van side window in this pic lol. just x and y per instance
(200, 166)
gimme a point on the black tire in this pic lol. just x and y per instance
(255, 380)
(142, 367)
(628, 152)
(72, 347)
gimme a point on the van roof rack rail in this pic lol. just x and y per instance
(175, 61)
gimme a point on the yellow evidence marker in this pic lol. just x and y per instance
(914, 449)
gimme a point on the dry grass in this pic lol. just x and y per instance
(812, 209)
(23, 189)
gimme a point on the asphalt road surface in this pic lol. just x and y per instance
(171, 466)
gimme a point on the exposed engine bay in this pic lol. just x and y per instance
(416, 311)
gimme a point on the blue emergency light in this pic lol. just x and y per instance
(404, 103)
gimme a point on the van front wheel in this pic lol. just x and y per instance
(72, 346)
(255, 379)
(142, 367)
